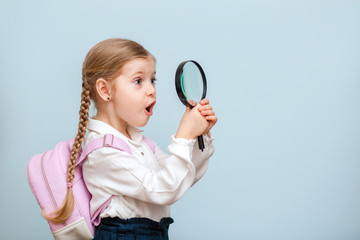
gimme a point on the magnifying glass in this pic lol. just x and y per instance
(190, 84)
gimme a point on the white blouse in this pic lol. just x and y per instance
(143, 184)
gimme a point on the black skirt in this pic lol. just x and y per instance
(133, 229)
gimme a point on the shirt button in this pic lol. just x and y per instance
(142, 153)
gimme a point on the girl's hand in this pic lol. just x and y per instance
(196, 121)
(206, 110)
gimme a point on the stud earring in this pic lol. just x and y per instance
(108, 99)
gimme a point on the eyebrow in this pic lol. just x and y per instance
(141, 72)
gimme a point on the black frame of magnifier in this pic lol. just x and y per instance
(178, 74)
(181, 95)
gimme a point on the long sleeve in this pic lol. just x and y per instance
(119, 173)
(199, 158)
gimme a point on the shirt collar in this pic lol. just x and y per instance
(104, 128)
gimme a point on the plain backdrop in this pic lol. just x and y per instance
(283, 78)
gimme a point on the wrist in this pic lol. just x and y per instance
(184, 135)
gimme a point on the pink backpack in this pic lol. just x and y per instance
(47, 176)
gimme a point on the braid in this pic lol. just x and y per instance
(64, 211)
(83, 121)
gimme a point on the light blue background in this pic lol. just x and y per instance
(283, 78)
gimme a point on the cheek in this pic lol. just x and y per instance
(130, 101)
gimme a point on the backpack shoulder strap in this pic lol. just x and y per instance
(107, 140)
(150, 143)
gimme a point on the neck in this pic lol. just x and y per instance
(121, 126)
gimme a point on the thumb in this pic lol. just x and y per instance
(192, 102)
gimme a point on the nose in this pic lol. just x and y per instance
(151, 91)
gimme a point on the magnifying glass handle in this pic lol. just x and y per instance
(201, 142)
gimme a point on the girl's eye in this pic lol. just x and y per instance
(153, 81)
(137, 81)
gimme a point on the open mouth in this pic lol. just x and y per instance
(149, 109)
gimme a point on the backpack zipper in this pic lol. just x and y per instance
(47, 183)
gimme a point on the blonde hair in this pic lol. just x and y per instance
(104, 60)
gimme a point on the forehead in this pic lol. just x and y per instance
(139, 65)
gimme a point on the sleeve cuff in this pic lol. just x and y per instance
(182, 148)
(208, 137)
(183, 141)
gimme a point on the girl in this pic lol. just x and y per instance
(119, 76)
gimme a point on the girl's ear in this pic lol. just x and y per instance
(103, 89)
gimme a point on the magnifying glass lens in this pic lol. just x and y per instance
(192, 82)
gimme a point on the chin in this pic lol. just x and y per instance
(141, 124)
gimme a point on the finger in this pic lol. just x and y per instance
(211, 124)
(204, 101)
(205, 107)
(207, 113)
(212, 118)
(192, 102)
